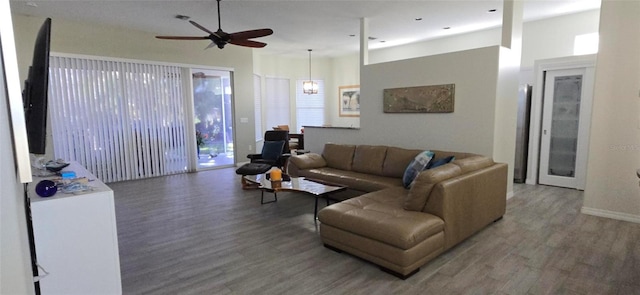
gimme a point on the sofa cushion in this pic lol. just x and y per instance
(421, 189)
(397, 160)
(351, 179)
(439, 162)
(473, 163)
(339, 156)
(418, 164)
(369, 159)
(308, 161)
(379, 216)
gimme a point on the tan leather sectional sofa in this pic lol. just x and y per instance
(396, 228)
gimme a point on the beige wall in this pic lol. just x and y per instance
(99, 40)
(614, 151)
(469, 128)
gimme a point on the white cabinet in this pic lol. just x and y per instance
(76, 239)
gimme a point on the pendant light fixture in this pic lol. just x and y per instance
(309, 87)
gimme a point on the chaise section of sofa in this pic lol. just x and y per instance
(401, 229)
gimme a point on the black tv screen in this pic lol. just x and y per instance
(36, 90)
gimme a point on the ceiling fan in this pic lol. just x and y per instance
(220, 38)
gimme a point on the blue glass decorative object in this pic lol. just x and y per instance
(46, 188)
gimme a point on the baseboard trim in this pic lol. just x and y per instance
(509, 195)
(611, 214)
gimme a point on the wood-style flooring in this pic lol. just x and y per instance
(199, 233)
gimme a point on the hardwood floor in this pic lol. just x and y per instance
(200, 233)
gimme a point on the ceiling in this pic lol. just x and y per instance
(330, 28)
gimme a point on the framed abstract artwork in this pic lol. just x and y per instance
(421, 99)
(349, 101)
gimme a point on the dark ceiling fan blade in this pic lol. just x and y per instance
(197, 25)
(182, 38)
(247, 43)
(251, 34)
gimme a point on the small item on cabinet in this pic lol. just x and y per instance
(67, 174)
(46, 188)
(56, 165)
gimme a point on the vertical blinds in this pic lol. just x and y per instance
(276, 102)
(120, 120)
(309, 107)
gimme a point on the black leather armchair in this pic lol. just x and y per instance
(275, 150)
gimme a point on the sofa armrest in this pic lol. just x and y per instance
(469, 202)
(305, 161)
(424, 183)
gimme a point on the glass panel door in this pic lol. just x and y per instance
(213, 117)
(559, 151)
(565, 119)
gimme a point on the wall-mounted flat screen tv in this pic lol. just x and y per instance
(35, 91)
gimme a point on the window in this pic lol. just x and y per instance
(120, 120)
(276, 103)
(309, 107)
(586, 44)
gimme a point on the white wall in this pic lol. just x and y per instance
(470, 128)
(614, 151)
(100, 40)
(541, 39)
(335, 72)
(296, 69)
(538, 43)
(15, 261)
(345, 72)
(554, 37)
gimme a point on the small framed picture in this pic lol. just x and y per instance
(349, 100)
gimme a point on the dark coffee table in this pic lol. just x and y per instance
(297, 184)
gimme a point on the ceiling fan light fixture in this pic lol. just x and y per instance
(309, 87)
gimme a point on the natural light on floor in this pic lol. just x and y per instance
(586, 44)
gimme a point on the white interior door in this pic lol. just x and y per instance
(565, 127)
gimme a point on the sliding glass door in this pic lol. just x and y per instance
(213, 118)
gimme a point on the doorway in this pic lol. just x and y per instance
(562, 101)
(213, 118)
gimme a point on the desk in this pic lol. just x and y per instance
(76, 239)
(298, 143)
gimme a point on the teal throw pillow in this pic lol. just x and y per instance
(416, 166)
(440, 162)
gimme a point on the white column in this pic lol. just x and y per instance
(364, 41)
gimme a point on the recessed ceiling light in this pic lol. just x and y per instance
(31, 4)
(372, 38)
(182, 17)
(382, 41)
(446, 28)
(492, 10)
(352, 35)
(418, 18)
